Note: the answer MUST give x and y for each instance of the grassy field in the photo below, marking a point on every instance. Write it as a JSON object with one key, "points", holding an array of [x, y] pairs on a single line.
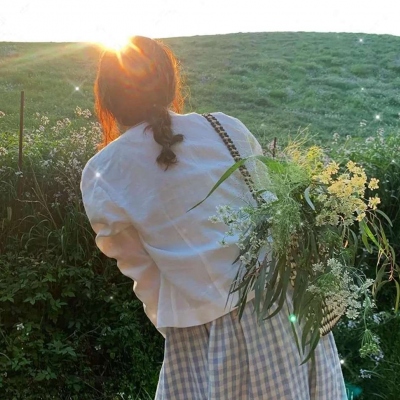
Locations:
{"points": [[275, 82]]}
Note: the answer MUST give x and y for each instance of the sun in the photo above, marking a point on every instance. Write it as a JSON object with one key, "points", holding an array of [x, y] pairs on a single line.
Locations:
{"points": [[114, 41]]}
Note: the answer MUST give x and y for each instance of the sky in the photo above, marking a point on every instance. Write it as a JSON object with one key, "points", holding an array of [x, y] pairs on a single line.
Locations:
{"points": [[98, 20]]}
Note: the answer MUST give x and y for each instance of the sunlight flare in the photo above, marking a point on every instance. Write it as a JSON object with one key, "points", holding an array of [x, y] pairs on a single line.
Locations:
{"points": [[116, 41]]}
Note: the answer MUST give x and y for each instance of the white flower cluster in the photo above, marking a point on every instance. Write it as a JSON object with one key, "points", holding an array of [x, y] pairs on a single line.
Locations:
{"points": [[237, 220], [68, 145], [241, 224], [83, 113], [364, 374], [20, 326], [336, 285]]}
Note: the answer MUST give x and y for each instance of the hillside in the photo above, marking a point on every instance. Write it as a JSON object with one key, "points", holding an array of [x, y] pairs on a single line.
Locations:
{"points": [[275, 82]]}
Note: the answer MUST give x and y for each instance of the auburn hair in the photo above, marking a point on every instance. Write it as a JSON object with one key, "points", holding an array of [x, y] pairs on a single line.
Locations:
{"points": [[139, 84]]}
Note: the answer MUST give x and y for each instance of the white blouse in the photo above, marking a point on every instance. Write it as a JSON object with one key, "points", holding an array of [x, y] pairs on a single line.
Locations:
{"points": [[140, 214]]}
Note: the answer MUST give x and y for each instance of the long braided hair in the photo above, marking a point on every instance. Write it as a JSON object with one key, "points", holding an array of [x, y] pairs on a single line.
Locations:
{"points": [[140, 84]]}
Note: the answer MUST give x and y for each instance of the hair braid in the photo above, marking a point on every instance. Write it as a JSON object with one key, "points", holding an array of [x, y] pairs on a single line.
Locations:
{"points": [[161, 125]]}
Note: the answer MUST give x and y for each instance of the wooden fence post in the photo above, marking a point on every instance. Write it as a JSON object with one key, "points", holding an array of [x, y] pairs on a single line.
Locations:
{"points": [[20, 149]]}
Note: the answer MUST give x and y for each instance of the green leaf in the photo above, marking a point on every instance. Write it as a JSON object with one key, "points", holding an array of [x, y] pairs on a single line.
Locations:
{"points": [[307, 197], [384, 216], [396, 307], [223, 178], [259, 287], [380, 285], [365, 229], [276, 166], [366, 243], [313, 344]]}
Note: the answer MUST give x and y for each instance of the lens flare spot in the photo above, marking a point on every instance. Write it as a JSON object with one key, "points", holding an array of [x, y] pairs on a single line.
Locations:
{"points": [[292, 318]]}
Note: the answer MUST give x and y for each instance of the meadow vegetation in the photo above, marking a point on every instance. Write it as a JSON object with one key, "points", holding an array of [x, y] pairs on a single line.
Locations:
{"points": [[70, 326]]}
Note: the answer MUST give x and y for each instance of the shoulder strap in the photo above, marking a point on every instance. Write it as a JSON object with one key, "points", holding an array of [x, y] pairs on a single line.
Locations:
{"points": [[234, 152]]}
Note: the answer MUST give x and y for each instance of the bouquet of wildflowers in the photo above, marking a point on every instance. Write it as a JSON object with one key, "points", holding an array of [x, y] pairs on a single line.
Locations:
{"points": [[302, 238]]}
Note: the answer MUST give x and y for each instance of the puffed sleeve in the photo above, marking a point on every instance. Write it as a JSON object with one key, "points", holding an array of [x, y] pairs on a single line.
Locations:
{"points": [[251, 139], [117, 238]]}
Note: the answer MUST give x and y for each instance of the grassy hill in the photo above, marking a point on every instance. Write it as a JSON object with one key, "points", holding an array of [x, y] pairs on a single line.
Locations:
{"points": [[275, 82]]}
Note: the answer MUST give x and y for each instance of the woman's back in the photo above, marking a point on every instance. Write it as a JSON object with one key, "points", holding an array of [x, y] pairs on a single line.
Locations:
{"points": [[194, 272]]}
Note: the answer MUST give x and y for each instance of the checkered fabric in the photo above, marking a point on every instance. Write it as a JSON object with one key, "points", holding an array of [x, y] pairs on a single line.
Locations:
{"points": [[228, 359]]}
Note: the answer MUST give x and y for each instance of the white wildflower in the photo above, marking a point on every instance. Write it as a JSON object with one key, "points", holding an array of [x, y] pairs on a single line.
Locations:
{"points": [[318, 267], [313, 289], [351, 324], [223, 243], [378, 357], [376, 318], [364, 374], [352, 314], [214, 219], [20, 327], [367, 284]]}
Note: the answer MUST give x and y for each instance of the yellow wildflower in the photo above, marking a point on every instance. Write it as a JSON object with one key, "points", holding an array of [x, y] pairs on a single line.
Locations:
{"points": [[373, 202], [323, 177], [373, 184], [355, 169], [314, 153], [361, 216], [340, 188], [358, 204], [358, 183], [332, 168], [295, 155], [351, 165]]}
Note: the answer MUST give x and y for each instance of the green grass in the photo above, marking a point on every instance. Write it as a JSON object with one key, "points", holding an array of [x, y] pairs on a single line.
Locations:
{"points": [[275, 82]]}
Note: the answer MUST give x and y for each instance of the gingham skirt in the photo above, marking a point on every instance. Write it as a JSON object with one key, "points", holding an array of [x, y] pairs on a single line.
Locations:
{"points": [[228, 359]]}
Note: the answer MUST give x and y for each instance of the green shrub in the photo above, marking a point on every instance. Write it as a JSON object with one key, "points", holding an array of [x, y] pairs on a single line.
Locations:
{"points": [[376, 377], [373, 377], [379, 155], [72, 329], [70, 325]]}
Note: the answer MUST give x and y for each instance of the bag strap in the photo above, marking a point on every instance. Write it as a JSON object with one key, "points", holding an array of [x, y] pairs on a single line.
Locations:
{"points": [[234, 152]]}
